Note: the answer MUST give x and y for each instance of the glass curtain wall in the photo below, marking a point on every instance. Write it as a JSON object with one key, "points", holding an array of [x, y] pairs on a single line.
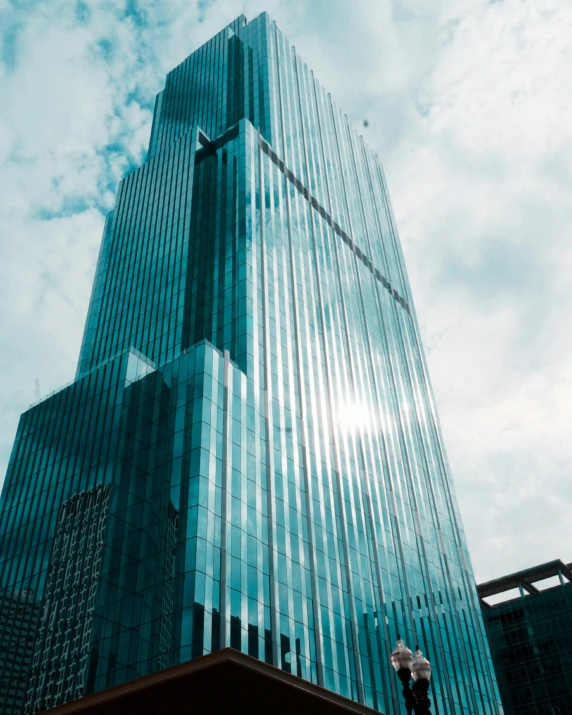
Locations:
{"points": [[250, 448]]}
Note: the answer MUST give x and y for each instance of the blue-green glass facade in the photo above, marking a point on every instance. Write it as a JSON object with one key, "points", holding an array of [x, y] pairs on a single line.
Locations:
{"points": [[249, 455]]}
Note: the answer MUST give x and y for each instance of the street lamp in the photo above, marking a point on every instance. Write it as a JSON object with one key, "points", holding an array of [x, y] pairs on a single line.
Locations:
{"points": [[409, 665]]}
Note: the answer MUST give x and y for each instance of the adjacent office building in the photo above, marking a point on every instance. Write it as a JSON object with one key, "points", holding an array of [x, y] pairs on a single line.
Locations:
{"points": [[249, 456], [530, 632]]}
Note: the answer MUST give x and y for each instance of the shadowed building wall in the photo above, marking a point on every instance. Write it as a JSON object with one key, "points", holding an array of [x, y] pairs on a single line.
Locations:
{"points": [[529, 636]]}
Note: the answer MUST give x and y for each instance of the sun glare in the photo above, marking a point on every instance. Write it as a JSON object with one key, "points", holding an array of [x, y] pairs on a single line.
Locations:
{"points": [[354, 416]]}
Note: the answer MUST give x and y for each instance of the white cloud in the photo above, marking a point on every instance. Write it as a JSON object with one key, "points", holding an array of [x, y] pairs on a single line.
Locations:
{"points": [[468, 105], [485, 226]]}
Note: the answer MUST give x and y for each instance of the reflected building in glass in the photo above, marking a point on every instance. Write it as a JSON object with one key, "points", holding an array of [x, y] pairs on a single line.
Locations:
{"points": [[19, 614], [249, 455]]}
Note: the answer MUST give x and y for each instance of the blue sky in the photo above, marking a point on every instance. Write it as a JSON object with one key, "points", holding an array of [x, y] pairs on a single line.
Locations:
{"points": [[469, 107]]}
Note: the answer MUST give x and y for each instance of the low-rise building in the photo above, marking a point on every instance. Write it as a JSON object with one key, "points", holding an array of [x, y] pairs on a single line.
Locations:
{"points": [[530, 636]]}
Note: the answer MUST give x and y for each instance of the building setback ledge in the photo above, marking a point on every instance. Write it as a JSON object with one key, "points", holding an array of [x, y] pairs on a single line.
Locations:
{"points": [[223, 682]]}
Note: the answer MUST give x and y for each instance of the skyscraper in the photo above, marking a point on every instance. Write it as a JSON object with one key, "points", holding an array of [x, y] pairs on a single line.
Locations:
{"points": [[253, 396]]}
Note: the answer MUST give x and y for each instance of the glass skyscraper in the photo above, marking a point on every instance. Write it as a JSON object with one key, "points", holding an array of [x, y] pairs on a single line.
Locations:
{"points": [[249, 455]]}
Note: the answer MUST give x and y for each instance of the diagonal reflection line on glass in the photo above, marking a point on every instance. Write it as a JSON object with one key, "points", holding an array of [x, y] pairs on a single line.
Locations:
{"points": [[333, 224]]}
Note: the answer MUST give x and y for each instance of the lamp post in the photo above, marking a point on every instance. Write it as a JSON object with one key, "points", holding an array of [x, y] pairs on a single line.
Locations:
{"points": [[409, 665]]}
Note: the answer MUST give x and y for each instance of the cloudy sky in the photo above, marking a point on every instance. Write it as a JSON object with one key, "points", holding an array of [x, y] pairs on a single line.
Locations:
{"points": [[469, 105]]}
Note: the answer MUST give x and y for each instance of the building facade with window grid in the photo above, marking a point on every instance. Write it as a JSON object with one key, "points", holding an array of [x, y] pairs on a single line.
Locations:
{"points": [[252, 363], [529, 636]]}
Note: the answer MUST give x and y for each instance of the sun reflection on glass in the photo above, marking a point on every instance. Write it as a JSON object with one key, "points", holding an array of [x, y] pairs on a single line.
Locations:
{"points": [[355, 416]]}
